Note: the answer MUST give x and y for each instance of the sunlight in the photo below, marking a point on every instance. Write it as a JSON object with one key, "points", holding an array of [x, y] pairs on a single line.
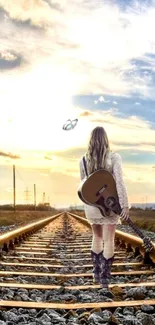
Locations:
{"points": [[87, 60], [47, 106]]}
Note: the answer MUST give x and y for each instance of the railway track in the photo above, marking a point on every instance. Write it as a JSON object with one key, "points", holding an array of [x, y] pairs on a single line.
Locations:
{"points": [[46, 277]]}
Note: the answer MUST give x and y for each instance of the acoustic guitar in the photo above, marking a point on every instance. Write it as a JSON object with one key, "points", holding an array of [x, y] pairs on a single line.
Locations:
{"points": [[99, 190]]}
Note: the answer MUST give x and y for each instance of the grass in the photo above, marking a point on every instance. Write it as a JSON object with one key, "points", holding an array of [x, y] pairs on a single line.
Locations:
{"points": [[8, 218], [144, 219]]}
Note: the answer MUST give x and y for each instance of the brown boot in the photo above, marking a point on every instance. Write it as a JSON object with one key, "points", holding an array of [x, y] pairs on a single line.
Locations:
{"points": [[105, 275], [96, 259]]}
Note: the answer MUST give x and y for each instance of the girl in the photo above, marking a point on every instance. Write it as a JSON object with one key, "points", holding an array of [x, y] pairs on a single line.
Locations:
{"points": [[99, 156]]}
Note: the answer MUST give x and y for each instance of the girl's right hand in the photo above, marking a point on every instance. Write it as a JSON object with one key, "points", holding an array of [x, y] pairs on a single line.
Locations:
{"points": [[125, 213]]}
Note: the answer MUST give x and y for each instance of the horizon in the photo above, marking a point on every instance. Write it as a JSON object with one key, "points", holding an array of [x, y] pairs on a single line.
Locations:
{"points": [[85, 60], [77, 206]]}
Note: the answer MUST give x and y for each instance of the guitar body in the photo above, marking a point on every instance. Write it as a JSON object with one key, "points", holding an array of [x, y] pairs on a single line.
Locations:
{"points": [[99, 190]]}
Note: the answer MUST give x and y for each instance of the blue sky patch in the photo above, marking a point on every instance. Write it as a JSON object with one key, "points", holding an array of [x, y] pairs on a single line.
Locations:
{"points": [[126, 106], [137, 157]]}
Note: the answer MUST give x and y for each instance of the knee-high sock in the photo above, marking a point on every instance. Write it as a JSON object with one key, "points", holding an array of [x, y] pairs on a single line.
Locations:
{"points": [[108, 238], [97, 244]]}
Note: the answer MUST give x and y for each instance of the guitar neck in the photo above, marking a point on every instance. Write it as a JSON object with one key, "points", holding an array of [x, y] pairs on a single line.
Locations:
{"points": [[129, 221], [135, 228]]}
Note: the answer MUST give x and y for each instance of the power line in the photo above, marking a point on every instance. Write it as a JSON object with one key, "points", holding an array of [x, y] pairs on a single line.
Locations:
{"points": [[27, 192], [20, 176]]}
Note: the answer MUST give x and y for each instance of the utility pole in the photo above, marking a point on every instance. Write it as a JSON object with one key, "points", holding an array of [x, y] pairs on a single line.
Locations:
{"points": [[14, 188], [43, 197], [43, 200], [34, 196]]}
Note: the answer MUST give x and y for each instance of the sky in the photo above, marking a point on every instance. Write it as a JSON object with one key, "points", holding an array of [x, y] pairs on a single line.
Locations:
{"points": [[84, 59]]}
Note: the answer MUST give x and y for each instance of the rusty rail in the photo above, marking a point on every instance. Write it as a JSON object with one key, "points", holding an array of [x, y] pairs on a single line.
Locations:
{"points": [[127, 241], [61, 239], [7, 240]]}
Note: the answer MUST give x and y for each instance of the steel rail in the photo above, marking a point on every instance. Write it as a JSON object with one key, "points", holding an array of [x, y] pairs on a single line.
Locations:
{"points": [[61, 278], [7, 240], [127, 241], [71, 306]]}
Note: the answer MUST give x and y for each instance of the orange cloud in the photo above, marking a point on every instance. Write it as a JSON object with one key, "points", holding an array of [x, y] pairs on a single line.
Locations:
{"points": [[9, 154], [31, 12], [86, 113]]}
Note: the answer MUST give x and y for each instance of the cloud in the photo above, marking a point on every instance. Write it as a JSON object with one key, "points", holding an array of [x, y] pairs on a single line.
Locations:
{"points": [[47, 158], [107, 113], [134, 131], [10, 155], [94, 66], [43, 174], [3, 14], [70, 154], [27, 24], [130, 144], [10, 60], [101, 100], [53, 5], [86, 113], [70, 52], [33, 13]]}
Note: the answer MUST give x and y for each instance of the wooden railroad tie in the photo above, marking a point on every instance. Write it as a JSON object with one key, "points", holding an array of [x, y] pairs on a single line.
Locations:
{"points": [[71, 306], [68, 276]]}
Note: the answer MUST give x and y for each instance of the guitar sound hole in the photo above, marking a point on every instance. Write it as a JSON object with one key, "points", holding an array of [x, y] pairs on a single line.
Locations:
{"points": [[110, 202]]}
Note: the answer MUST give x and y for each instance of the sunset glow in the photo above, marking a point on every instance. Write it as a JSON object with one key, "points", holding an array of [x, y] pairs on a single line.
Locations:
{"points": [[93, 61]]}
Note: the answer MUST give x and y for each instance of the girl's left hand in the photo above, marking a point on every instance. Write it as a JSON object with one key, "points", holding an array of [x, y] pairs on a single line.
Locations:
{"points": [[125, 213]]}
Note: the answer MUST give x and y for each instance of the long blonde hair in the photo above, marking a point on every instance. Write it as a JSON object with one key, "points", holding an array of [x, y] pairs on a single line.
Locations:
{"points": [[98, 149]]}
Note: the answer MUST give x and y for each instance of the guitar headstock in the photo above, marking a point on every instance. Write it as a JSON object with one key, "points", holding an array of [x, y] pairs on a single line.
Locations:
{"points": [[148, 246]]}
